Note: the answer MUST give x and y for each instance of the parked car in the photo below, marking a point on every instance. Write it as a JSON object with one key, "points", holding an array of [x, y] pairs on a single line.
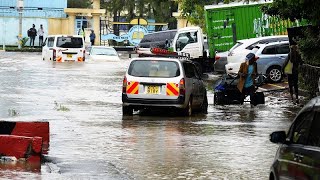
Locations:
{"points": [[63, 48], [157, 39], [270, 59], [240, 49], [155, 82], [238, 54], [298, 156], [102, 53]]}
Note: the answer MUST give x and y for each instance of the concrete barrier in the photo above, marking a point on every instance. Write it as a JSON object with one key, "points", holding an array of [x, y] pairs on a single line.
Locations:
{"points": [[21, 147], [28, 129]]}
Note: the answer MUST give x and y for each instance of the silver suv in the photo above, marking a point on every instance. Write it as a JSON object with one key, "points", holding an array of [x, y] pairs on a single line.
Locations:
{"points": [[155, 82]]}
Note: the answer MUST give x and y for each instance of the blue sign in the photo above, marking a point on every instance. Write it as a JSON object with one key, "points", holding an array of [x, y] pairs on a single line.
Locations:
{"points": [[134, 36]]}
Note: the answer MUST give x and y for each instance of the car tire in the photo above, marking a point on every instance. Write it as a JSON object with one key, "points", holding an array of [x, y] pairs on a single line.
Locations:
{"points": [[187, 111], [127, 111], [204, 106], [274, 74]]}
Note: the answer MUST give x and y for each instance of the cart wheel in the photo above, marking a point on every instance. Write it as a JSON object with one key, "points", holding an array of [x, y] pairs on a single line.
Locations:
{"points": [[260, 98]]}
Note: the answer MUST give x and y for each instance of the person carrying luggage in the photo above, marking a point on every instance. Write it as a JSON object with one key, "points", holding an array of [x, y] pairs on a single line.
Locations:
{"points": [[247, 74]]}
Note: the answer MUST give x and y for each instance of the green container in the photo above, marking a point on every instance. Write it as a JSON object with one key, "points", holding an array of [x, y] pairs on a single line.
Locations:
{"points": [[228, 23]]}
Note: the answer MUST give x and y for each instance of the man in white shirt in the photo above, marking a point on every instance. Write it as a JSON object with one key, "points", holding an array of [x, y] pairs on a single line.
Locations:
{"points": [[40, 33]]}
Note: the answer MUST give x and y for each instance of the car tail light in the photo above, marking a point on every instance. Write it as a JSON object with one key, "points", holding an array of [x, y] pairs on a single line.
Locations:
{"points": [[124, 84], [182, 87], [54, 55], [217, 58]]}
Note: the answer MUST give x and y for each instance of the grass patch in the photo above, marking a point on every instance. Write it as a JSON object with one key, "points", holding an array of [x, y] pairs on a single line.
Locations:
{"points": [[24, 49], [60, 107], [13, 112]]}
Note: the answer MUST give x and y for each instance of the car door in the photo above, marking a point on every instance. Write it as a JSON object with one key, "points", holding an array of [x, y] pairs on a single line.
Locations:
{"points": [[289, 154], [49, 52], [308, 166], [266, 54], [44, 49], [282, 53], [191, 82]]}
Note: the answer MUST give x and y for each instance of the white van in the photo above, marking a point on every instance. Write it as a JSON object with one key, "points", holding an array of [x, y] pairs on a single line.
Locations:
{"points": [[63, 48]]}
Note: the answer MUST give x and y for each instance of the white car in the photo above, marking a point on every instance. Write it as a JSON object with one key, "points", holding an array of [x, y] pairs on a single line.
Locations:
{"points": [[270, 59], [62, 48], [159, 82], [239, 51], [102, 53]]}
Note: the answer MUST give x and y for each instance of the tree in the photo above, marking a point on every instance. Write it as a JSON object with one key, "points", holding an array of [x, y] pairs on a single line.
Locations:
{"points": [[193, 10], [309, 41], [295, 9], [79, 4]]}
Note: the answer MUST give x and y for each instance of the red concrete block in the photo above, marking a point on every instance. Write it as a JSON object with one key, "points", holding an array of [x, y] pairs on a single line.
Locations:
{"points": [[29, 129], [21, 147]]}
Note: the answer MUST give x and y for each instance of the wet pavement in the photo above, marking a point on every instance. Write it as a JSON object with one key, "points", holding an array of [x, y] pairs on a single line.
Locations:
{"points": [[89, 138]]}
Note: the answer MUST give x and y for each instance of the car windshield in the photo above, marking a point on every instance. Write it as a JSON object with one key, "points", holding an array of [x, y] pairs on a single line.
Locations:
{"points": [[103, 51], [70, 42], [154, 68]]}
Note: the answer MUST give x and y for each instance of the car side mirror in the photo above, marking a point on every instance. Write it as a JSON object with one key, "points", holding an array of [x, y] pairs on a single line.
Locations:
{"points": [[278, 137], [43, 44]]}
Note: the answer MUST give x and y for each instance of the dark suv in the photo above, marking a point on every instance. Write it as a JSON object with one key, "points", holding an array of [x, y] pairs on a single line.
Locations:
{"points": [[298, 156], [157, 39]]}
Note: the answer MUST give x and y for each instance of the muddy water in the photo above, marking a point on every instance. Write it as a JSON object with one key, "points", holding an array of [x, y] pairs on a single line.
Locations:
{"points": [[91, 140]]}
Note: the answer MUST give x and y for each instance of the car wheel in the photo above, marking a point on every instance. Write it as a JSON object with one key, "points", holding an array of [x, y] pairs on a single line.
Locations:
{"points": [[274, 74], [187, 111], [204, 106], [127, 111]]}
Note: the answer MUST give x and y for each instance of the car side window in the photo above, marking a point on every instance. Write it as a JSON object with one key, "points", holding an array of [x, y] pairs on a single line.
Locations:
{"points": [[301, 128], [283, 49], [190, 73], [50, 41], [269, 50], [314, 135]]}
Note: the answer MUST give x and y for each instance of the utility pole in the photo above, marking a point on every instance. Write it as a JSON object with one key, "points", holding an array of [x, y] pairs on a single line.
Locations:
{"points": [[20, 9]]}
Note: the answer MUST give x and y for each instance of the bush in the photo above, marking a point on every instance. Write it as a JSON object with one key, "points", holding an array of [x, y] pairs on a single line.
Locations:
{"points": [[309, 47], [23, 49]]}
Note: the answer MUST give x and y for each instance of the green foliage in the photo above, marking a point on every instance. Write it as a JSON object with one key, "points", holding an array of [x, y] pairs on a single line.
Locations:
{"points": [[13, 112], [23, 49], [309, 47], [23, 41], [60, 107], [193, 10], [161, 11], [79, 4], [295, 9]]}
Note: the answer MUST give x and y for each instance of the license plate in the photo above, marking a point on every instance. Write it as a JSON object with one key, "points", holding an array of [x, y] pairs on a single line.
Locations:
{"points": [[153, 90], [69, 55]]}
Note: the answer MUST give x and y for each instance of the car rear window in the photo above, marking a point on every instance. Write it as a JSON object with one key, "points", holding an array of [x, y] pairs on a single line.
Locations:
{"points": [[154, 68], [69, 42], [103, 51]]}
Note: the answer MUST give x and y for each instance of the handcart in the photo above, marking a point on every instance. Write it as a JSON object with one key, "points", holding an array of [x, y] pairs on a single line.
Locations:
{"points": [[227, 93]]}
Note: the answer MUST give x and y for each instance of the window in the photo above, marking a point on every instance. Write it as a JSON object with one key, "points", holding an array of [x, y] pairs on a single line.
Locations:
{"points": [[69, 42], [314, 135], [189, 70], [269, 50], [186, 38], [301, 128], [283, 49], [50, 41], [153, 68]]}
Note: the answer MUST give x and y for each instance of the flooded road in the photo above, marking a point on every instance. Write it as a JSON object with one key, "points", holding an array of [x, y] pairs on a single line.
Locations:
{"points": [[89, 138]]}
